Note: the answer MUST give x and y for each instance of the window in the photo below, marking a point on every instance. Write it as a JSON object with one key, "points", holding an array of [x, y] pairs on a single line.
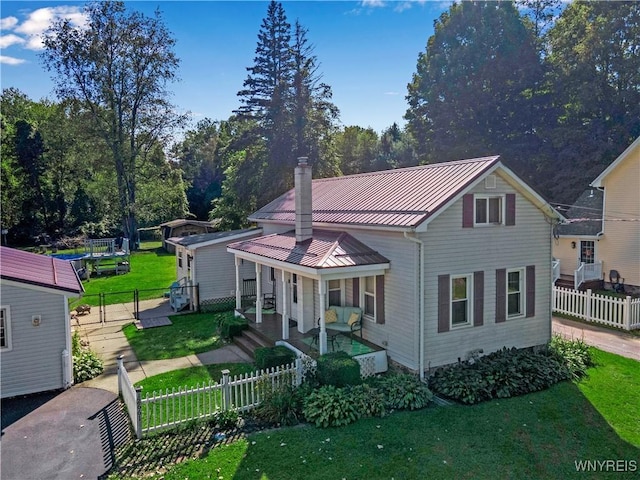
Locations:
{"points": [[294, 288], [180, 259], [334, 291], [515, 293], [460, 300], [5, 328], [488, 210], [272, 274], [368, 302], [587, 251]]}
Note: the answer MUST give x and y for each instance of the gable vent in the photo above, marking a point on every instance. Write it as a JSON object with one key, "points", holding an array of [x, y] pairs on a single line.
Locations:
{"points": [[490, 182]]}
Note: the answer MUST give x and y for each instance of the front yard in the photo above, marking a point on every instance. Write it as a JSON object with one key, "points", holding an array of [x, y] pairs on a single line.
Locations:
{"points": [[539, 435]]}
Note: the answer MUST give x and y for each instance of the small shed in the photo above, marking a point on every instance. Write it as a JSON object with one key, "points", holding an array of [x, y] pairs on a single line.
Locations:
{"points": [[183, 228], [35, 330]]}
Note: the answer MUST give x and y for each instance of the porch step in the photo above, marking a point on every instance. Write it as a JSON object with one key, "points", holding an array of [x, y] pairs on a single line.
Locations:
{"points": [[250, 340], [565, 282]]}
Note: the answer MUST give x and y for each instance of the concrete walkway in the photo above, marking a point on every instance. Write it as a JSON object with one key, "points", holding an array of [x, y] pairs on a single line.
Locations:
{"points": [[108, 341], [620, 343]]}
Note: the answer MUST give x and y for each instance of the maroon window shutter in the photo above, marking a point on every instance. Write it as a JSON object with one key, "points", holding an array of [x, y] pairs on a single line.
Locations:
{"points": [[380, 299], [478, 299], [510, 209], [531, 290], [467, 211], [501, 295], [443, 303], [355, 301]]}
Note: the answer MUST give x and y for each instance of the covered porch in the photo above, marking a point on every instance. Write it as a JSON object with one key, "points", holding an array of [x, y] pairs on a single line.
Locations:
{"points": [[306, 278], [270, 329]]}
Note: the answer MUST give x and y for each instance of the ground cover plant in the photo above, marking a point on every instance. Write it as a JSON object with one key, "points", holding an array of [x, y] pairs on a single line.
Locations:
{"points": [[86, 363], [187, 335], [153, 270], [538, 435]]}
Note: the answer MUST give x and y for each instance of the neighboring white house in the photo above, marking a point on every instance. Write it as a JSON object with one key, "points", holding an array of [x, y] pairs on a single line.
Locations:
{"points": [[35, 331], [603, 229], [203, 260], [444, 259]]}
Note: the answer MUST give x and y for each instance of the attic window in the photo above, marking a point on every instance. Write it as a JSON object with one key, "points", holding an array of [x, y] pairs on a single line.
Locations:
{"points": [[488, 210]]}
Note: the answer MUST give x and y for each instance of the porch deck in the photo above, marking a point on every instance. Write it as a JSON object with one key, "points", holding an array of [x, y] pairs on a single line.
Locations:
{"points": [[271, 328]]}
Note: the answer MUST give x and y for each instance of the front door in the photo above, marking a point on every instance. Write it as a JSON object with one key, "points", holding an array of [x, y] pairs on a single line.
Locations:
{"points": [[587, 252]]}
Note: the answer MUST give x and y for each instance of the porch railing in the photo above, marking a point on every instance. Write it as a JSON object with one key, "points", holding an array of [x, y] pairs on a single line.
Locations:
{"points": [[586, 272], [556, 270], [613, 311]]}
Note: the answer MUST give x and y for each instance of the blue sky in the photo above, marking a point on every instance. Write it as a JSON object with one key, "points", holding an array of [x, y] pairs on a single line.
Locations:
{"points": [[367, 50]]}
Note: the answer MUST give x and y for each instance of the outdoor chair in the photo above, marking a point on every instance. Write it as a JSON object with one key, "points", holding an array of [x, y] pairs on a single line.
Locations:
{"points": [[616, 282]]}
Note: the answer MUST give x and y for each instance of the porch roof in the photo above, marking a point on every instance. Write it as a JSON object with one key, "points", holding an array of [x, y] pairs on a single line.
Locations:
{"points": [[327, 249]]}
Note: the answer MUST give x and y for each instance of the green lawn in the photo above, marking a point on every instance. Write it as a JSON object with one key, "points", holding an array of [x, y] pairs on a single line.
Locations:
{"points": [[152, 271], [540, 435], [613, 388], [191, 377], [187, 335]]}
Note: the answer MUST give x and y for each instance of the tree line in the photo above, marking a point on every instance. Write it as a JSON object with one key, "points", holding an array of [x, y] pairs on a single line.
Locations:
{"points": [[553, 88]]}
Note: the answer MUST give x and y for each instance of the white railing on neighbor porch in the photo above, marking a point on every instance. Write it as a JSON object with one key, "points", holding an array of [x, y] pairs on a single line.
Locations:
{"points": [[556, 270], [157, 411], [586, 272], [613, 311]]}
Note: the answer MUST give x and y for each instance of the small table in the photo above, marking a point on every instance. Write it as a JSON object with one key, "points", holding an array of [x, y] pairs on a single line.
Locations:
{"points": [[331, 336]]}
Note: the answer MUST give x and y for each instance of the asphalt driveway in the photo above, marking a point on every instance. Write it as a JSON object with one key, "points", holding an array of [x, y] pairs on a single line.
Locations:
{"points": [[71, 436]]}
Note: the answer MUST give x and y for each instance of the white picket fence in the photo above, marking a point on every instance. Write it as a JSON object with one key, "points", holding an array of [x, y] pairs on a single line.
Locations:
{"points": [[613, 311], [155, 411]]}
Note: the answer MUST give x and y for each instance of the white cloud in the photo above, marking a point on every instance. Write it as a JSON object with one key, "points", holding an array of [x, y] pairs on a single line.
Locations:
{"points": [[392, 93], [11, 39], [11, 60], [373, 3], [8, 23], [40, 20]]}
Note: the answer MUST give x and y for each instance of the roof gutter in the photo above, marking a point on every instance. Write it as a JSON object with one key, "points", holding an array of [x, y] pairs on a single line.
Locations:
{"points": [[421, 303]]}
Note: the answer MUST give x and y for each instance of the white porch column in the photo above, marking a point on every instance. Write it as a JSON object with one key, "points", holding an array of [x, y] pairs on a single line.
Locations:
{"points": [[285, 307], [238, 292], [322, 340], [258, 293]]}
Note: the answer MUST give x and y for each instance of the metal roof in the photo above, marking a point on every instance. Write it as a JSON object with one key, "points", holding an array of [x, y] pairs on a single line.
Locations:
{"points": [[327, 249], [403, 197], [182, 221], [40, 270], [209, 238]]}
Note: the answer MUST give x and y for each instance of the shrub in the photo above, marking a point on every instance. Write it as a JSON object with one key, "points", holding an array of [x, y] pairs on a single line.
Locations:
{"points": [[405, 392], [370, 401], [232, 326], [338, 369], [86, 364], [330, 407], [225, 419], [279, 405], [502, 374], [268, 357], [574, 354]]}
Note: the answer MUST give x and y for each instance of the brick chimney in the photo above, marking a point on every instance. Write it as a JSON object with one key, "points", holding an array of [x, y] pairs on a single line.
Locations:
{"points": [[304, 230]]}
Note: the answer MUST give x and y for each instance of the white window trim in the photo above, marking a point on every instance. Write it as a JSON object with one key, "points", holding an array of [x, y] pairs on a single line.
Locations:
{"points": [[469, 322], [487, 196], [363, 283], [7, 329], [523, 293]]}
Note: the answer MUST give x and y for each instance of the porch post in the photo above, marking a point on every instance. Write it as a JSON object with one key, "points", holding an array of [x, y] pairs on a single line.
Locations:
{"points": [[322, 340], [258, 293], [238, 293], [285, 308]]}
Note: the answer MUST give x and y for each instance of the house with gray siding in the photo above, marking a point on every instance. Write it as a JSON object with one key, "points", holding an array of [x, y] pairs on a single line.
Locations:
{"points": [[444, 260], [203, 260], [35, 331]]}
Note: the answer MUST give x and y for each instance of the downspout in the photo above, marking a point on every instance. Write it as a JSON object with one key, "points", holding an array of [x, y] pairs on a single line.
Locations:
{"points": [[421, 304]]}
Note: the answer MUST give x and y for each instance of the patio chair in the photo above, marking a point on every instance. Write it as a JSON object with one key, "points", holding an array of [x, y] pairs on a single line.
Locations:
{"points": [[616, 282]]}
